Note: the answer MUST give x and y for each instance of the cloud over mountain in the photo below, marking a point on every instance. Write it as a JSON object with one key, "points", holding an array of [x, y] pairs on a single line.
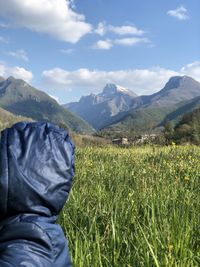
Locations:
{"points": [[192, 69], [17, 72], [141, 81]]}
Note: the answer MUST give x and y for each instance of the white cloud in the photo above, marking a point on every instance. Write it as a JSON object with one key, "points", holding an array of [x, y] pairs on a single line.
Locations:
{"points": [[53, 17], [192, 70], [131, 41], [180, 13], [133, 36], [72, 4], [141, 81], [20, 54], [103, 44], [103, 28], [57, 76], [126, 30], [17, 72], [108, 43]]}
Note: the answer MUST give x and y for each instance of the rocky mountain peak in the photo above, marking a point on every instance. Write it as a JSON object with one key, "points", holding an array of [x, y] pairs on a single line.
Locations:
{"points": [[111, 89], [11, 79], [178, 81]]}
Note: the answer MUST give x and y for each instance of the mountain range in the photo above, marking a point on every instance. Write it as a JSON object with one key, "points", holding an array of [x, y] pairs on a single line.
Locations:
{"points": [[20, 98], [114, 109], [119, 108]]}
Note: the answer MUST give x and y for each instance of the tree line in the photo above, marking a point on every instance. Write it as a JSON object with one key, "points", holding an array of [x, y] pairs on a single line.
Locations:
{"points": [[187, 130]]}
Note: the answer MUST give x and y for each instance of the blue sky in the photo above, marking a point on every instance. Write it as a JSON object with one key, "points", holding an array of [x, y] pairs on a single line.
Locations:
{"points": [[73, 48]]}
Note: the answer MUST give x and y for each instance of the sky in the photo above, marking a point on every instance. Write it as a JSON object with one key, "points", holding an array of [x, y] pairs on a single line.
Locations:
{"points": [[74, 48]]}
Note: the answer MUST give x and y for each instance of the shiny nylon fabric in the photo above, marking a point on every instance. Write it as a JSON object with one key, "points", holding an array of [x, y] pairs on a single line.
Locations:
{"points": [[36, 172]]}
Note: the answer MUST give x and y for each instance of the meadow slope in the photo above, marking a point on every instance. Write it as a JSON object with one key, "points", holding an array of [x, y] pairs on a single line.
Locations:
{"points": [[134, 207]]}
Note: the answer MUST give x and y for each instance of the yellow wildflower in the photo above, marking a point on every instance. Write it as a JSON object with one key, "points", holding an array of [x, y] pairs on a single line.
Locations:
{"points": [[187, 178]]}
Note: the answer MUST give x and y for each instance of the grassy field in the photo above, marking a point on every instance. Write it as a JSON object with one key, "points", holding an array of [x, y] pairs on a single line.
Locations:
{"points": [[135, 207]]}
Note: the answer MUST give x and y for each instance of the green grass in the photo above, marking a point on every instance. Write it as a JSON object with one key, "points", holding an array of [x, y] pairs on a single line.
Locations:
{"points": [[134, 207]]}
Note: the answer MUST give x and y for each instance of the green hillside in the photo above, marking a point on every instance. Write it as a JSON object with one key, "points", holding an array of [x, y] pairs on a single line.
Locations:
{"points": [[7, 119], [140, 120], [182, 109], [22, 99]]}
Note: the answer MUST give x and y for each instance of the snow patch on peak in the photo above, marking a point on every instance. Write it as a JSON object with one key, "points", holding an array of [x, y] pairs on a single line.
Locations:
{"points": [[112, 88], [121, 89]]}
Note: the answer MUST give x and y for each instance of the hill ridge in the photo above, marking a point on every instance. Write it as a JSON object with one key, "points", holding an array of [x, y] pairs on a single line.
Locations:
{"points": [[20, 98]]}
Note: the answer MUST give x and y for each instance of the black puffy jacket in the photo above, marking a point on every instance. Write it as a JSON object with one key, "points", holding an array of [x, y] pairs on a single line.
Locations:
{"points": [[36, 171]]}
